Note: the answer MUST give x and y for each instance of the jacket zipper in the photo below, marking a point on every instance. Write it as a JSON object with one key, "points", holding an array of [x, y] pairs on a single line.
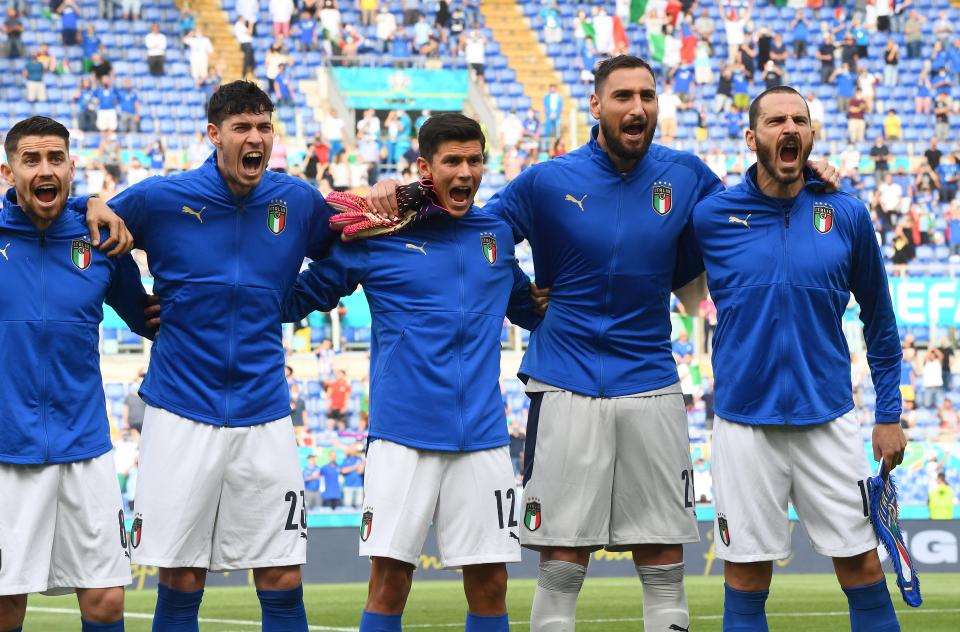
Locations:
{"points": [[783, 311], [233, 312], [601, 330], [459, 349], [43, 349]]}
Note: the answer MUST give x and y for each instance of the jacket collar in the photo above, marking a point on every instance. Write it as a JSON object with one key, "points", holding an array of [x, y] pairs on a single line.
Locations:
{"points": [[811, 184], [14, 217], [602, 157]]}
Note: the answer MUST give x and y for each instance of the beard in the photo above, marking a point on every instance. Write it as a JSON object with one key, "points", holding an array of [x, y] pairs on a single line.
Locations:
{"points": [[612, 137], [767, 157]]}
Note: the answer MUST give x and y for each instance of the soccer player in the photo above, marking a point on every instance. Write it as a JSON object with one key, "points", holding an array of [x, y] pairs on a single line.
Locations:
{"points": [[782, 258], [220, 487], [61, 515], [607, 461], [438, 450]]}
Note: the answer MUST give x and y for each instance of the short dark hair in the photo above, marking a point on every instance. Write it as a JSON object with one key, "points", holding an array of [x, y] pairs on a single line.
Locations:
{"points": [[607, 66], [34, 126], [237, 97], [755, 106], [444, 127]]}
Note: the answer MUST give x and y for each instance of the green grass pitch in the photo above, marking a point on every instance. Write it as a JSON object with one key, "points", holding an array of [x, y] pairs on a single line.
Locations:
{"points": [[798, 603]]}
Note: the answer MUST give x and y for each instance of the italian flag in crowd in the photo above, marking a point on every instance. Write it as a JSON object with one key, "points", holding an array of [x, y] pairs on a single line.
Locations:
{"points": [[637, 9]]}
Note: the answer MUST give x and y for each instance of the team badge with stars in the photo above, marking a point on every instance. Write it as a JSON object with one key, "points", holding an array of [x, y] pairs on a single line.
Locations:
{"points": [[822, 217], [531, 516], [366, 523], [80, 254], [136, 530], [488, 244], [662, 197], [723, 528], [277, 216]]}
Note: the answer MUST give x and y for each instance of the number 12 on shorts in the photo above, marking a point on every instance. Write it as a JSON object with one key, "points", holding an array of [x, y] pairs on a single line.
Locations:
{"points": [[511, 495]]}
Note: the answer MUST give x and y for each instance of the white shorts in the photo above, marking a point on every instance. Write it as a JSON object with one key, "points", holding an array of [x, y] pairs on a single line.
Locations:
{"points": [[607, 471], [469, 497], [61, 527], [218, 498], [821, 469]]}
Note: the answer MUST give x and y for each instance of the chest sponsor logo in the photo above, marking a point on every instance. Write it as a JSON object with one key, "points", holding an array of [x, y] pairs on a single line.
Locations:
{"points": [[822, 217], [740, 220], [662, 197], [570, 198], [488, 244], [3, 251], [80, 254], [277, 216], [197, 214]]}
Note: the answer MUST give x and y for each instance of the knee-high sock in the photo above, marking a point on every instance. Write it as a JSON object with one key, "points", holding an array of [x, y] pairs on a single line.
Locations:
{"points": [[373, 622], [480, 623], [90, 626], [744, 611], [282, 610], [177, 611], [555, 601], [871, 609], [664, 599]]}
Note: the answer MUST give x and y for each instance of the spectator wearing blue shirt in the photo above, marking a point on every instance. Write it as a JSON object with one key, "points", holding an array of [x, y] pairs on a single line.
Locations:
{"points": [[683, 348], [69, 22], [552, 110], [949, 173], [352, 468], [683, 83], [741, 91], [86, 105], [801, 34], [420, 121], [845, 83], [531, 125], [311, 483], [332, 495], [283, 86], [954, 54], [938, 58], [942, 83], [33, 73], [90, 44], [306, 32], [129, 108], [400, 46], [861, 39], [107, 100]]}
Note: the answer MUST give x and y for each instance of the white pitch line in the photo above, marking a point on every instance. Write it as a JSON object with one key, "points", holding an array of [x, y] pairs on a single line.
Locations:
{"points": [[148, 616], [325, 628]]}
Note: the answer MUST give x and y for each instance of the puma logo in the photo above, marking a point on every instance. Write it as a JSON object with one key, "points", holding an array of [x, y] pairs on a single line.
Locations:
{"points": [[674, 626], [421, 247], [737, 220], [514, 536], [3, 251], [190, 211], [570, 198]]}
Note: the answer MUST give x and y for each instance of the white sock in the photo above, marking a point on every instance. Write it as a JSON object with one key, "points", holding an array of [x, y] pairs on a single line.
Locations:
{"points": [[555, 601], [664, 600]]}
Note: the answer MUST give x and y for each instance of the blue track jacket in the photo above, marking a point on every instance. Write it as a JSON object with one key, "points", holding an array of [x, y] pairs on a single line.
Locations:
{"points": [[438, 293], [609, 246], [222, 265], [53, 285], [781, 279]]}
